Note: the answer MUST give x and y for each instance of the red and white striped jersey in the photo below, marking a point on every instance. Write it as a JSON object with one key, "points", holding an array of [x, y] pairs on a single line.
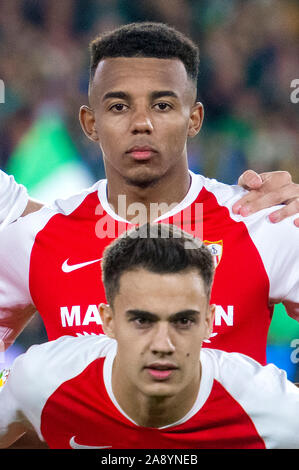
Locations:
{"points": [[64, 389], [50, 262]]}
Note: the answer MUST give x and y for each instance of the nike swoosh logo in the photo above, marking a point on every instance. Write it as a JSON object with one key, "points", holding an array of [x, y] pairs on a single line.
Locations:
{"points": [[211, 336], [68, 268], [75, 445]]}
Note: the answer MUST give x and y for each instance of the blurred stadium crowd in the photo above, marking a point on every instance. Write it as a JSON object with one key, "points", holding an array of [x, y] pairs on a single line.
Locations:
{"points": [[249, 57]]}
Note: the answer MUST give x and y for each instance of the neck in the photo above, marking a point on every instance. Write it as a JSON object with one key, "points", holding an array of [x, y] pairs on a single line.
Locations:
{"points": [[140, 204], [154, 411]]}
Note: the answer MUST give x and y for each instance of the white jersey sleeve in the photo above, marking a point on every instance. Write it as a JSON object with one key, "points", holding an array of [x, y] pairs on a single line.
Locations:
{"points": [[264, 392], [278, 245], [36, 374], [13, 199]]}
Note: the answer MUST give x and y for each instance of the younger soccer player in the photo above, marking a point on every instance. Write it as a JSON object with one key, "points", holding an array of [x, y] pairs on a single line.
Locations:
{"points": [[148, 383]]}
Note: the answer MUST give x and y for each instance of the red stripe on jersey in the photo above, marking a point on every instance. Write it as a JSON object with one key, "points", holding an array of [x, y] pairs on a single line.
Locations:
{"points": [[68, 301], [241, 284], [81, 409]]}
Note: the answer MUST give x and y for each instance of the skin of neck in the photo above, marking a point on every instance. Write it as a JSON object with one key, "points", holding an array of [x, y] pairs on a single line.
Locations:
{"points": [[169, 190], [153, 411]]}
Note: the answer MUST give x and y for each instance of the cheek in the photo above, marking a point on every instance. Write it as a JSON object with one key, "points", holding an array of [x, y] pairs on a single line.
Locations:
{"points": [[107, 140], [129, 344], [177, 137], [192, 350], [108, 132]]}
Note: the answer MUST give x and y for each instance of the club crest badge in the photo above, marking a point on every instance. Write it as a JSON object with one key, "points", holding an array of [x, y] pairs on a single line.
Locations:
{"points": [[216, 250]]}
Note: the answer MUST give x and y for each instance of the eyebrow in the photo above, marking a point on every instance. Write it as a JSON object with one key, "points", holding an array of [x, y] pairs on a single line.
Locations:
{"points": [[154, 95], [116, 94], [154, 317], [160, 94], [184, 313]]}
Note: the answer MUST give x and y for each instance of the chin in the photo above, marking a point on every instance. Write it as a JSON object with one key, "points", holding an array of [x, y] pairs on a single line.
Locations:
{"points": [[143, 177], [160, 390], [143, 182]]}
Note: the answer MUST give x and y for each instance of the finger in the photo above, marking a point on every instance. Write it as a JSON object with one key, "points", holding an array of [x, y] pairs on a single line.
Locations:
{"points": [[255, 201], [289, 209], [276, 178], [250, 180], [258, 199], [244, 201]]}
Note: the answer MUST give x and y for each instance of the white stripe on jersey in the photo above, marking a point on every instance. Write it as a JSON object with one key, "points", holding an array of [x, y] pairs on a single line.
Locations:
{"points": [[264, 393]]}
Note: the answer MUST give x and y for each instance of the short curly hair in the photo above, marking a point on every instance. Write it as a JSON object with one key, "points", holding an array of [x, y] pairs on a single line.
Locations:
{"points": [[145, 39]]}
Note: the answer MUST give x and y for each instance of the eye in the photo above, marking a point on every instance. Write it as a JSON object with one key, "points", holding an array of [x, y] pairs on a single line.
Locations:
{"points": [[163, 106], [141, 322], [118, 107], [184, 322]]}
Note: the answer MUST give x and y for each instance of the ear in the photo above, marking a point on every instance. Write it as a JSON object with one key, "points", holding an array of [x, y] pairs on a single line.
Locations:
{"points": [[196, 119], [209, 321], [87, 121], [107, 318]]}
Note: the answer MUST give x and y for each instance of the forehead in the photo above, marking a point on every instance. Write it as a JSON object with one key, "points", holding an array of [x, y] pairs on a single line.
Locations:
{"points": [[133, 74], [161, 293]]}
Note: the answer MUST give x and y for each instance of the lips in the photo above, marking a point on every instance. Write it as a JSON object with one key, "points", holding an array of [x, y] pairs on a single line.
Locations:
{"points": [[161, 371], [141, 152]]}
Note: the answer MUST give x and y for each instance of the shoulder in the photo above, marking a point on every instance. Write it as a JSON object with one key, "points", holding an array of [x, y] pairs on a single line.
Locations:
{"points": [[66, 206], [44, 367], [243, 372], [233, 368], [225, 194], [38, 373], [33, 222], [67, 354], [269, 238], [264, 392]]}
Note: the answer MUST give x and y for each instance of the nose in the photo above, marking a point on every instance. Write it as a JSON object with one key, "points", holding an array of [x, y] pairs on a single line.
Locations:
{"points": [[141, 122], [161, 342]]}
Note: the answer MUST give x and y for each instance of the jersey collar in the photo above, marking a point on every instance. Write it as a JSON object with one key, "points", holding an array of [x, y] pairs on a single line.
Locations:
{"points": [[195, 188]]}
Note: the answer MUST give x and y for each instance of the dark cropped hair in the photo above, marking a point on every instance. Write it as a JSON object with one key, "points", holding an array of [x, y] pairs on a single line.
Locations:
{"points": [[158, 248], [145, 39]]}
